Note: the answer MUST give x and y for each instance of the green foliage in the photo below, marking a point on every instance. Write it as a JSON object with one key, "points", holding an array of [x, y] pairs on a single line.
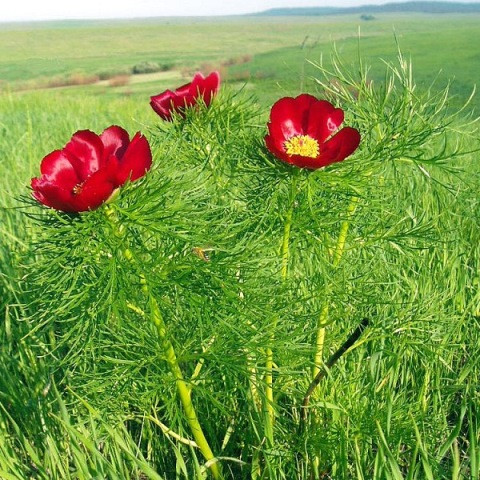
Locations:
{"points": [[150, 67], [31, 55], [204, 229]]}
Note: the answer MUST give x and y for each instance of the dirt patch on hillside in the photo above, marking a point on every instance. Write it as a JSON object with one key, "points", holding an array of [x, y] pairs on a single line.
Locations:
{"points": [[145, 78]]}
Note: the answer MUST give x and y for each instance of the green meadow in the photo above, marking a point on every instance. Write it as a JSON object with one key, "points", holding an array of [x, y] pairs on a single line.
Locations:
{"points": [[268, 51], [403, 404]]}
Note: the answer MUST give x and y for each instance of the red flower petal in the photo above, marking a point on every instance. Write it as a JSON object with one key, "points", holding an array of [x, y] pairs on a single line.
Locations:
{"points": [[303, 162], [275, 145], [190, 88], [340, 146], [136, 161], [283, 124], [86, 150], [210, 87], [97, 188], [179, 103], [165, 103], [324, 119], [162, 104], [52, 195], [193, 86], [304, 103], [115, 142], [289, 117], [57, 169]]}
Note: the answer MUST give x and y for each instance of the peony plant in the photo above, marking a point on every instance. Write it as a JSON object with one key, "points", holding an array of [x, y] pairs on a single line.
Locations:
{"points": [[196, 302]]}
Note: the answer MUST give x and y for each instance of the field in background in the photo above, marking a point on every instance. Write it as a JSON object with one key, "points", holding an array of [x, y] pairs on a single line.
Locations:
{"points": [[100, 58]]}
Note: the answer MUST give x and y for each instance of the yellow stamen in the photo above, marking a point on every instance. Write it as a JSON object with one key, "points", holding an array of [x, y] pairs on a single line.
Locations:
{"points": [[302, 145], [77, 188]]}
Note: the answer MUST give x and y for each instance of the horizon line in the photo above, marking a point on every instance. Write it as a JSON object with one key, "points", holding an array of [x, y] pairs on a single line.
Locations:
{"points": [[253, 13]]}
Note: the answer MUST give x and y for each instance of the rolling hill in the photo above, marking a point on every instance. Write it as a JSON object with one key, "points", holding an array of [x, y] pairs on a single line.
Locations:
{"points": [[406, 7]]}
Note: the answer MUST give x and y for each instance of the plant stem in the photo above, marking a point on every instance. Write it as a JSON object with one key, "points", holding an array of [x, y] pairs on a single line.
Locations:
{"points": [[337, 256], [285, 256], [183, 388], [331, 361]]}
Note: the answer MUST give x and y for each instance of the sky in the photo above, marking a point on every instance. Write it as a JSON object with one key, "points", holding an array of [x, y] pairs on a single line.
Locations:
{"points": [[19, 10]]}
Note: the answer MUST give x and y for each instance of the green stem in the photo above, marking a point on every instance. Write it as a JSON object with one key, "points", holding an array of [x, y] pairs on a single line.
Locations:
{"points": [[184, 390], [330, 362], [285, 252], [285, 256], [337, 256]]}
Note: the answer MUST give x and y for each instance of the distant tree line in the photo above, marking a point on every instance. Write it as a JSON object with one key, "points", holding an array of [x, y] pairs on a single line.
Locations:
{"points": [[415, 7]]}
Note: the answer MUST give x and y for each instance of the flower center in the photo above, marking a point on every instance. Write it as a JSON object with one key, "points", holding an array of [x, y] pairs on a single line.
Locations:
{"points": [[302, 145], [77, 189]]}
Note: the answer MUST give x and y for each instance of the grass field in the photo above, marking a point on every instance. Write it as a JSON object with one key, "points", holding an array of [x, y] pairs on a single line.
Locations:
{"points": [[85, 392], [439, 46]]}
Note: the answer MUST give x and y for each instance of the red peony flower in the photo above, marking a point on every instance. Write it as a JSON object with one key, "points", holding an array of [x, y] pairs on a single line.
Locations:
{"points": [[84, 174], [186, 96], [302, 132]]}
